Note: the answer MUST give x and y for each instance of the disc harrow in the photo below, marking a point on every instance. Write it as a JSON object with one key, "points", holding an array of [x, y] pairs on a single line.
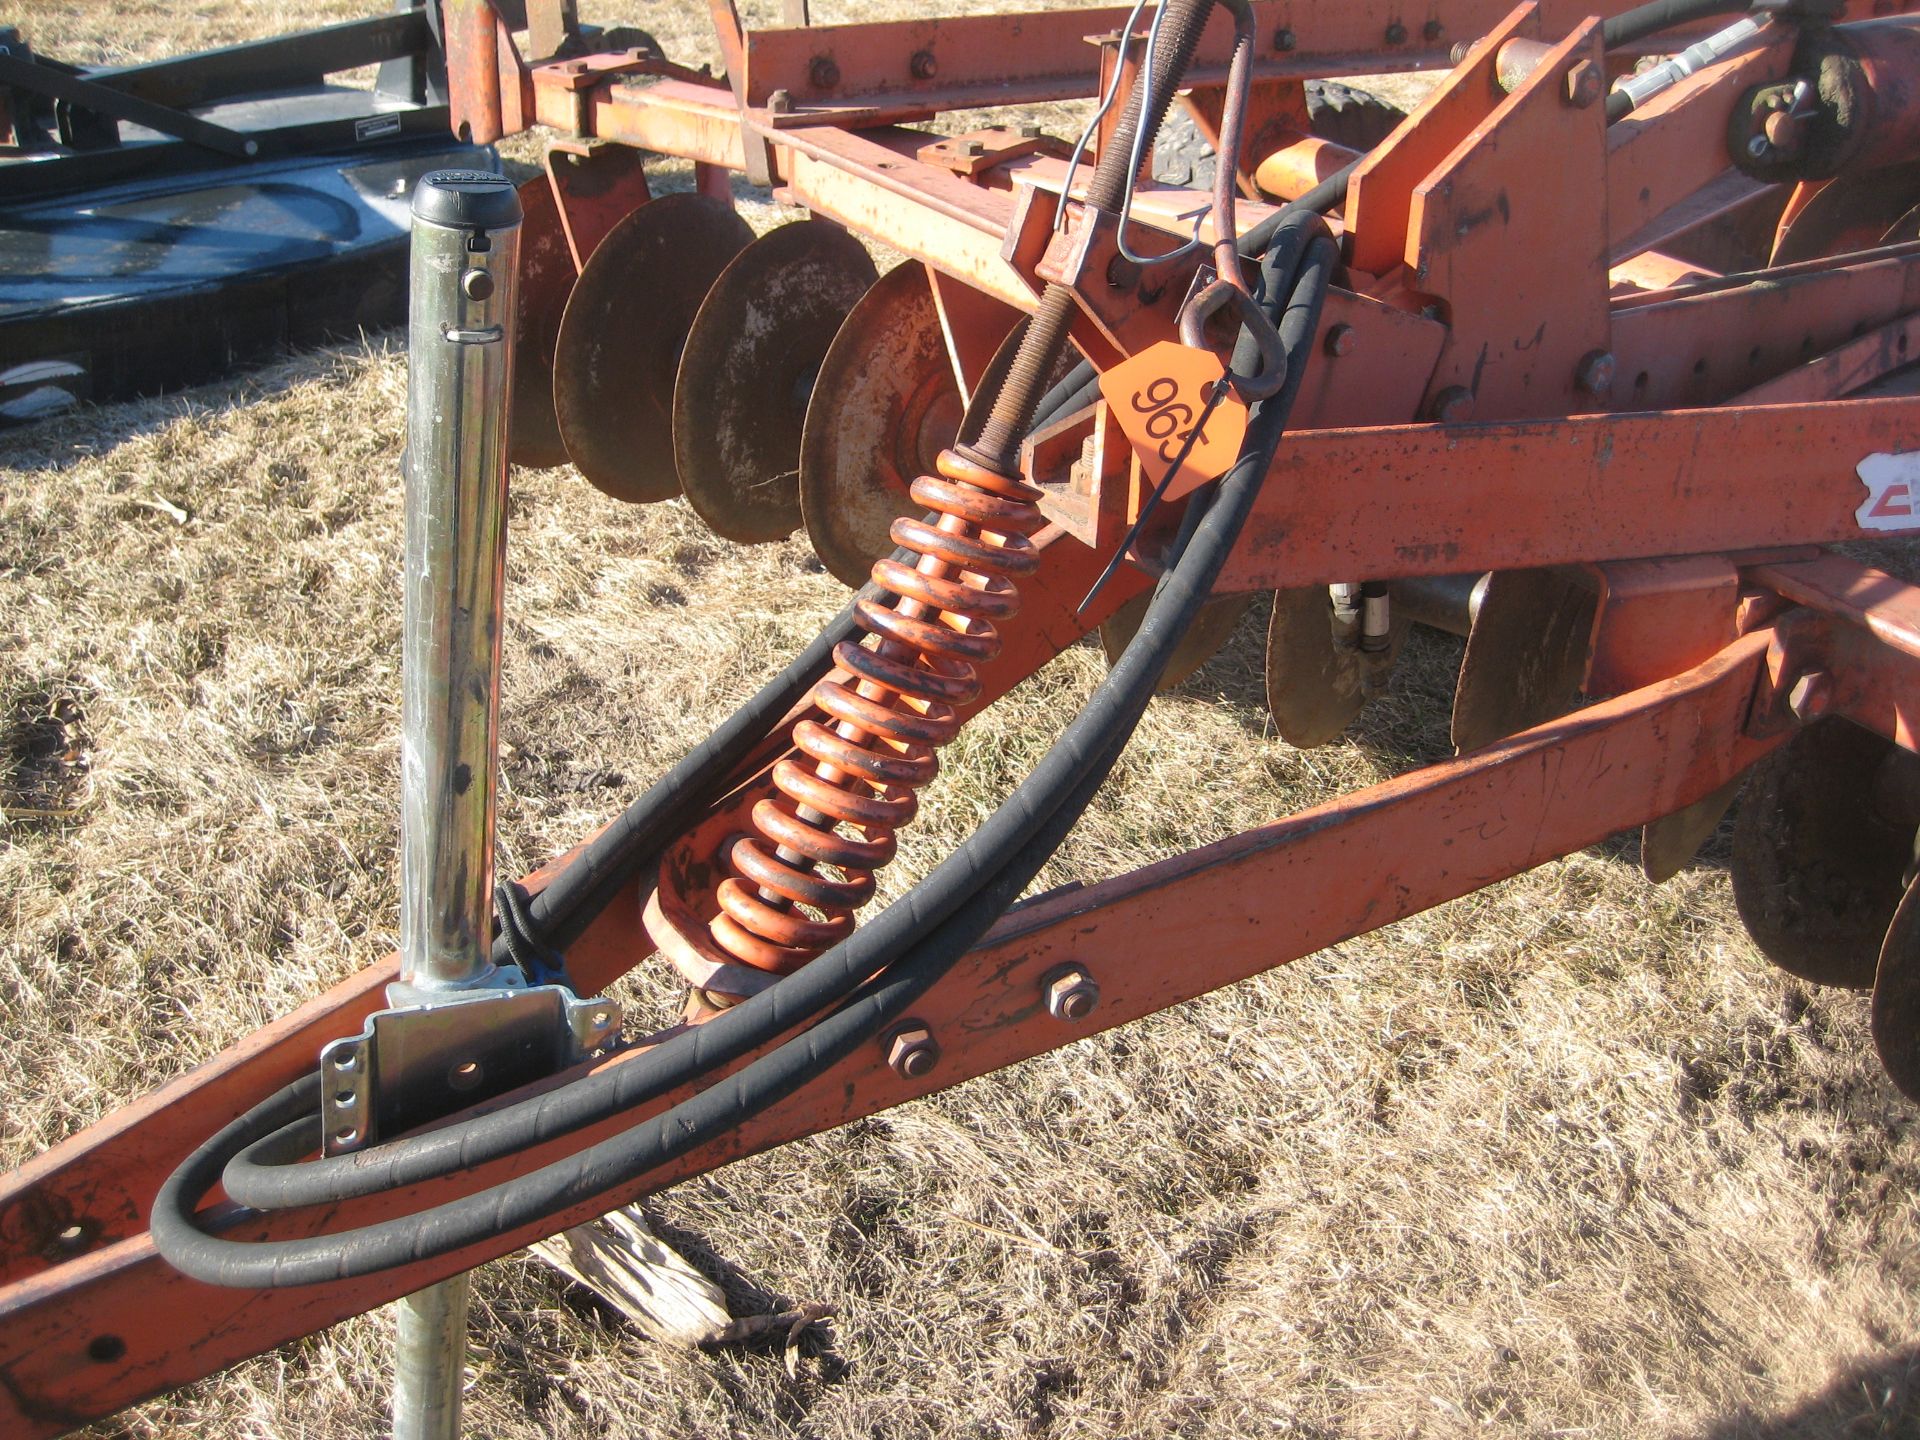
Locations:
{"points": [[1603, 357]]}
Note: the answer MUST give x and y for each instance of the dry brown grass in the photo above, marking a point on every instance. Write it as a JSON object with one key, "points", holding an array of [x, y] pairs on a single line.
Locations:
{"points": [[1564, 1158]]}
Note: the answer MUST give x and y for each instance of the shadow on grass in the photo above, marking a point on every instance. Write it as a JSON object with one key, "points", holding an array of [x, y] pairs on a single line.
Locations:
{"points": [[85, 433], [1871, 1399]]}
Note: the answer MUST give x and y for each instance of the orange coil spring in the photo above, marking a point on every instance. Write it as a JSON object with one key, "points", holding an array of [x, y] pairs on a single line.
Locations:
{"points": [[903, 705]]}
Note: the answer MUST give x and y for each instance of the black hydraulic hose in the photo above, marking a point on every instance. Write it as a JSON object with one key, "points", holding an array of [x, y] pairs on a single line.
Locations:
{"points": [[261, 1175], [1642, 21], [264, 1176], [1026, 828]]}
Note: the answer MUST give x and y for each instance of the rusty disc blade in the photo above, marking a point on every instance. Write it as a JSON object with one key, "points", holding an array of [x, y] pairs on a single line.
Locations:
{"points": [[1317, 679], [1896, 996], [884, 405], [546, 280], [1526, 655], [620, 340], [749, 367], [1212, 624], [1818, 863]]}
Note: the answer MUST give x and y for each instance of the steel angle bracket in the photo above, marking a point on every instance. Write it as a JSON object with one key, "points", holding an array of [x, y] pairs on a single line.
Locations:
{"points": [[434, 1053]]}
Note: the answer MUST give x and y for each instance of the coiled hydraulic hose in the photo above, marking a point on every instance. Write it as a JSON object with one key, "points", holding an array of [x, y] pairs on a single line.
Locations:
{"points": [[950, 910], [264, 1176]]}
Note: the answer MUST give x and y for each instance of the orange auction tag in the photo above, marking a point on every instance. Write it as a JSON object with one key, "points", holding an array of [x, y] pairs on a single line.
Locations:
{"points": [[1161, 397]]}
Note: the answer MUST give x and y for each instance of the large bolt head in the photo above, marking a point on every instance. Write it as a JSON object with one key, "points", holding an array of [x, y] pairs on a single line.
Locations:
{"points": [[1585, 85], [1811, 696], [1071, 995], [912, 1051], [823, 72]]}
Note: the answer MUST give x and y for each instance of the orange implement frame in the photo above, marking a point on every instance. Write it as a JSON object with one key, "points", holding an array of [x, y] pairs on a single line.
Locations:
{"points": [[69, 1354], [1504, 381]]}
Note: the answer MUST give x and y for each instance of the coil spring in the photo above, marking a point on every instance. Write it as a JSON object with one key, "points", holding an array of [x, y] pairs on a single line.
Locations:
{"points": [[867, 766]]}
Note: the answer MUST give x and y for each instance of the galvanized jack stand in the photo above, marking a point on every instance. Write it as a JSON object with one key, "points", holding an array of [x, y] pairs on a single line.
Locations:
{"points": [[460, 1028]]}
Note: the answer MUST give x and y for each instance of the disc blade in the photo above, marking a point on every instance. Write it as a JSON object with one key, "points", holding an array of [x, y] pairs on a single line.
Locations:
{"points": [[546, 280], [884, 405], [1526, 655], [1211, 626], [1896, 996], [1818, 864], [1316, 680], [750, 364], [621, 336]]}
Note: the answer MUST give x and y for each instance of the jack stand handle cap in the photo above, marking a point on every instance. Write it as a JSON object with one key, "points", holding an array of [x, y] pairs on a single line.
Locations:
{"points": [[467, 200]]}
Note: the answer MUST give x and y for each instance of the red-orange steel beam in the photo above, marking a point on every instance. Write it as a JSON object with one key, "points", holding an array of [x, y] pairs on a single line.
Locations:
{"points": [[1020, 58], [1395, 501], [110, 1328]]}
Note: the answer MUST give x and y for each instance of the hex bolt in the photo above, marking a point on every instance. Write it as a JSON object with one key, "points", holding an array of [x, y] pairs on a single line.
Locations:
{"points": [[1031, 132], [1396, 34], [923, 65], [477, 285], [1340, 340], [912, 1050], [823, 74], [1071, 994], [1811, 696], [1594, 374], [1284, 39], [1452, 405], [1585, 85], [973, 148], [780, 102], [1432, 31]]}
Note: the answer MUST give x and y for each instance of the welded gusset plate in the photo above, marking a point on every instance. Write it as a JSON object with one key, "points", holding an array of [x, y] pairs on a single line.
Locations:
{"points": [[1209, 631], [621, 336], [1896, 996], [1821, 848], [1526, 655], [1317, 677], [883, 407], [546, 280], [749, 369]]}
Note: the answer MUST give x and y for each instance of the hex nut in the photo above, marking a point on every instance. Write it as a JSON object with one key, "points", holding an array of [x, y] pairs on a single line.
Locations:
{"points": [[780, 102], [923, 65], [1071, 995], [1396, 34], [1340, 340], [912, 1050], [1585, 85], [1811, 696], [1284, 39]]}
